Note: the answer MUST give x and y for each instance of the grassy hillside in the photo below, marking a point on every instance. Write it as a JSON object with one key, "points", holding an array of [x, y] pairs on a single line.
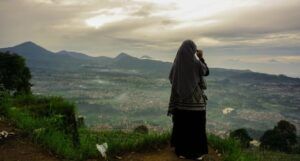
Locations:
{"points": [[51, 122]]}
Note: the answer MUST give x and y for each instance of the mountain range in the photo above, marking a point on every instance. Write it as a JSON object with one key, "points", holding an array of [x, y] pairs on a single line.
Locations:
{"points": [[38, 57]]}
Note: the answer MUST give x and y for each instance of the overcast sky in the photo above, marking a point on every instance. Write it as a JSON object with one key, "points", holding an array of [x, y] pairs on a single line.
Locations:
{"points": [[261, 35]]}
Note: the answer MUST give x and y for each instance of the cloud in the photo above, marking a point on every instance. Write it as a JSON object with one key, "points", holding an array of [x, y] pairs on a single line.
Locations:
{"points": [[273, 61], [154, 27], [269, 26]]}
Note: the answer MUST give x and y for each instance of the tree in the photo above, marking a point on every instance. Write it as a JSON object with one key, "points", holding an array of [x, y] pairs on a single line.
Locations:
{"points": [[14, 74], [242, 135], [282, 137]]}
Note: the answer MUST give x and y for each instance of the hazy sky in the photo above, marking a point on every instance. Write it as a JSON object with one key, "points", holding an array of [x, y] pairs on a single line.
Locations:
{"points": [[261, 35]]}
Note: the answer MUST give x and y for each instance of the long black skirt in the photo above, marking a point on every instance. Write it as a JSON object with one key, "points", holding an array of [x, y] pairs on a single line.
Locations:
{"points": [[189, 133]]}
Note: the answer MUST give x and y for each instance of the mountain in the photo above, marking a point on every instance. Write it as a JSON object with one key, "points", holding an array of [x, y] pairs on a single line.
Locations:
{"points": [[124, 57], [39, 57], [146, 66], [254, 77], [75, 54], [29, 50]]}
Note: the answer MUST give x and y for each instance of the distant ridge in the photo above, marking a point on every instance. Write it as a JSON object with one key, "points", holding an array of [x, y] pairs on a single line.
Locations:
{"points": [[29, 49], [75, 54], [123, 56], [38, 57]]}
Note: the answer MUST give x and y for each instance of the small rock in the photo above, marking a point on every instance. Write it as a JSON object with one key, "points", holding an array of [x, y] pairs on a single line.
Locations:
{"points": [[4, 134], [118, 157], [102, 149], [11, 133]]}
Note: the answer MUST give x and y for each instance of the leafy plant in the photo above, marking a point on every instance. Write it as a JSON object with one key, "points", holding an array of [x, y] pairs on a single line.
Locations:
{"points": [[282, 137], [242, 135], [14, 74]]}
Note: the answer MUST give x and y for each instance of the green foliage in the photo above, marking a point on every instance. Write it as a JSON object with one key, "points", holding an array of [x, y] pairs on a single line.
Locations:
{"points": [[60, 111], [44, 131], [45, 120], [42, 106], [267, 155], [242, 135], [4, 103], [54, 129], [283, 137], [14, 75], [120, 142], [231, 149]]}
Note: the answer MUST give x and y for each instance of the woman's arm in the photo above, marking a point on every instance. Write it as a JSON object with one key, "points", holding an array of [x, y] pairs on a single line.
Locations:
{"points": [[204, 65], [204, 71]]}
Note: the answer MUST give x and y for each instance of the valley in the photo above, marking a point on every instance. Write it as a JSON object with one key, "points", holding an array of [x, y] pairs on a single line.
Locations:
{"points": [[125, 91]]}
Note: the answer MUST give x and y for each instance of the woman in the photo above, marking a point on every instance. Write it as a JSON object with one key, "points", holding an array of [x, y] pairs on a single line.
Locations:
{"points": [[188, 102]]}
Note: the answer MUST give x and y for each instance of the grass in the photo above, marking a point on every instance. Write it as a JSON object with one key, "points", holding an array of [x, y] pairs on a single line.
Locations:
{"points": [[121, 142], [45, 120], [265, 155], [231, 149], [44, 131]]}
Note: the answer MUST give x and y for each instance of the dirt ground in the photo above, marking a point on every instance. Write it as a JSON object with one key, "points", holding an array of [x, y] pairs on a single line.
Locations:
{"points": [[18, 147], [166, 154]]}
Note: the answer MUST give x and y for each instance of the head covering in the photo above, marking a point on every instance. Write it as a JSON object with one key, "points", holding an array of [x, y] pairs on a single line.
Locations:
{"points": [[184, 74]]}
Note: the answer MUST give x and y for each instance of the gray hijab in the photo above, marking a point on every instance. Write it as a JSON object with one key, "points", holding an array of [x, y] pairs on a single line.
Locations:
{"points": [[184, 75]]}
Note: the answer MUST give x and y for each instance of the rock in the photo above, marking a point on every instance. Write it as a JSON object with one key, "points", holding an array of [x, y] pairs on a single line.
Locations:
{"points": [[118, 157], [102, 149], [4, 134]]}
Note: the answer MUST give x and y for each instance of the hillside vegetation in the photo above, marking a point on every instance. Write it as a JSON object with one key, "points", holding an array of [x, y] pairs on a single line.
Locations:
{"points": [[50, 122]]}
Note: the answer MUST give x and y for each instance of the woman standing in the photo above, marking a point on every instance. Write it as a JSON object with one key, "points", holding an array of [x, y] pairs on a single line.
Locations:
{"points": [[188, 102]]}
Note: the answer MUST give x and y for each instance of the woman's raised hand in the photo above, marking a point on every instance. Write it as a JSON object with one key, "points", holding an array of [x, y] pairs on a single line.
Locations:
{"points": [[199, 54]]}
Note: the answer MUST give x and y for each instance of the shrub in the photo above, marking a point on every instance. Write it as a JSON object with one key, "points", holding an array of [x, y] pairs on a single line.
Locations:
{"points": [[282, 137], [242, 135], [231, 149], [14, 75]]}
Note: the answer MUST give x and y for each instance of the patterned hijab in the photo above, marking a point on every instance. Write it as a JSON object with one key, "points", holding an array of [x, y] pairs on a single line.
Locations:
{"points": [[184, 75]]}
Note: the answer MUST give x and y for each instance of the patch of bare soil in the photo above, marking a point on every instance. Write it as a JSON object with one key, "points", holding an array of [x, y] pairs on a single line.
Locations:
{"points": [[18, 147], [166, 154]]}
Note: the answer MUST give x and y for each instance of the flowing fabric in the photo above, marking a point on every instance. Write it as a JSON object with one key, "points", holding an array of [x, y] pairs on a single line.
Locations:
{"points": [[186, 70], [189, 133]]}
